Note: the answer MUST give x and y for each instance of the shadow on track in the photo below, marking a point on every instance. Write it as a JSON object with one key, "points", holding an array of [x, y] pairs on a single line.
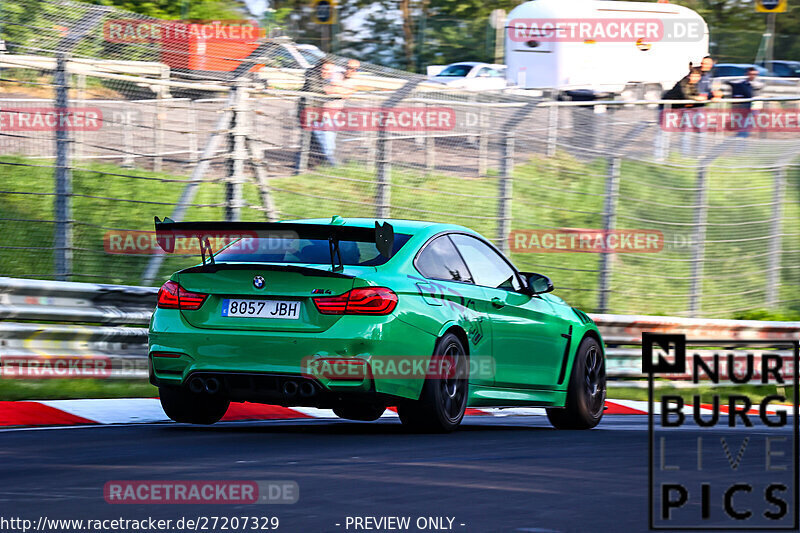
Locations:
{"points": [[343, 427]]}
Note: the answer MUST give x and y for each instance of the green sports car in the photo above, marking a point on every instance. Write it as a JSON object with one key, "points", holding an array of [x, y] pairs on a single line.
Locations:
{"points": [[356, 315]]}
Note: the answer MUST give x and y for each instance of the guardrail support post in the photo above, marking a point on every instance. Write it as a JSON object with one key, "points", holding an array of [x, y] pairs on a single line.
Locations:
{"points": [[483, 141], [383, 148], [609, 221], [774, 269], [430, 153], [700, 216], [194, 152], [63, 177], [552, 130], [505, 193], [158, 133], [127, 139], [238, 154]]}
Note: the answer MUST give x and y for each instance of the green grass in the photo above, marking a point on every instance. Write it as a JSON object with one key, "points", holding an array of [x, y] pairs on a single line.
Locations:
{"points": [[551, 192], [65, 389]]}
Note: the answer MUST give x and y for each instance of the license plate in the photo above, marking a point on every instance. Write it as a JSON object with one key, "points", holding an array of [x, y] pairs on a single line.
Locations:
{"points": [[261, 308]]}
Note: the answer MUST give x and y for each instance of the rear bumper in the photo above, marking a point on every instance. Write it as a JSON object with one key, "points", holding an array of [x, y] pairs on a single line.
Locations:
{"points": [[273, 353]]}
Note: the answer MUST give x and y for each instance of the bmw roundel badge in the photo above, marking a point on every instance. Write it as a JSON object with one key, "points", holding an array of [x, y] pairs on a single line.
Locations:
{"points": [[258, 282]]}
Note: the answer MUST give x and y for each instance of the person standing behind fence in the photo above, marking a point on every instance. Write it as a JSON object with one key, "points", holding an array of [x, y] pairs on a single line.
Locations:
{"points": [[745, 89], [688, 88], [685, 89], [325, 79], [704, 86]]}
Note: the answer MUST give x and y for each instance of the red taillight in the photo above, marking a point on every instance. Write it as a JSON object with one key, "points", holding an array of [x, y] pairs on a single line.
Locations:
{"points": [[166, 354], [173, 296], [362, 301], [168, 296]]}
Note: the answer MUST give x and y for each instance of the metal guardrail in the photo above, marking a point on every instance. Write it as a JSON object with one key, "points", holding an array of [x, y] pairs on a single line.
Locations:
{"points": [[48, 318], [52, 318]]}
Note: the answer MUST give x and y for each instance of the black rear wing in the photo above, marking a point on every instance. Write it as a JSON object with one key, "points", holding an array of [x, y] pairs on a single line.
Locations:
{"points": [[168, 231]]}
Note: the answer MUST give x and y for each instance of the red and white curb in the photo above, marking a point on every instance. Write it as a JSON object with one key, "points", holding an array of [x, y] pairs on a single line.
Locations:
{"points": [[148, 410]]}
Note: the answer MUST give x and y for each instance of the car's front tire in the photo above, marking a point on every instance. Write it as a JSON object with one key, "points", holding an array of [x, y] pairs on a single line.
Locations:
{"points": [[443, 401], [586, 391], [182, 405]]}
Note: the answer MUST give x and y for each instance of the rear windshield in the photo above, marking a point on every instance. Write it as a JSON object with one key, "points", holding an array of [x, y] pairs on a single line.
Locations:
{"points": [[305, 251]]}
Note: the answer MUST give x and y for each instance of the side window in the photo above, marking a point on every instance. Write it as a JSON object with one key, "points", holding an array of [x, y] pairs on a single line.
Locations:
{"points": [[487, 267], [440, 260]]}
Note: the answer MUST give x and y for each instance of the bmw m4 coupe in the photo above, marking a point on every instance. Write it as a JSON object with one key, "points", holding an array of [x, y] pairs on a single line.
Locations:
{"points": [[358, 315]]}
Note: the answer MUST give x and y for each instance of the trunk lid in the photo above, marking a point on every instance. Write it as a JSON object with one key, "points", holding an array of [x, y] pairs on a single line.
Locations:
{"points": [[289, 284]]}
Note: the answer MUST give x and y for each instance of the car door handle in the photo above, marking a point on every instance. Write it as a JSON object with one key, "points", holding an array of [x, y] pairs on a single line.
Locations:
{"points": [[498, 303]]}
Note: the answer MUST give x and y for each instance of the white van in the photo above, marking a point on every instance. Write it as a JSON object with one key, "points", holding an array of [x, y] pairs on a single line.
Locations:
{"points": [[537, 59]]}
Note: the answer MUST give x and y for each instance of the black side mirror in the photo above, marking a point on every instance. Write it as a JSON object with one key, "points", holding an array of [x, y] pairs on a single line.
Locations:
{"points": [[537, 283]]}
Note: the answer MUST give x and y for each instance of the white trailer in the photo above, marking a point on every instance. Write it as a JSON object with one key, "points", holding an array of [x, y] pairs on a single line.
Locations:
{"points": [[539, 58]]}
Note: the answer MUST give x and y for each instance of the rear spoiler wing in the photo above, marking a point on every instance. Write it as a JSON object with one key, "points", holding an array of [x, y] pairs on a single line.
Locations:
{"points": [[167, 231]]}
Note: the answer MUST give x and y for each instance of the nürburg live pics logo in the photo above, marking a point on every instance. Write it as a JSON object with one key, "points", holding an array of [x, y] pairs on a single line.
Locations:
{"points": [[723, 433]]}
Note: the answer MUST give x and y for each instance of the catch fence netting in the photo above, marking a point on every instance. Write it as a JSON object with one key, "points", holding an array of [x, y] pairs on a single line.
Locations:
{"points": [[230, 131]]}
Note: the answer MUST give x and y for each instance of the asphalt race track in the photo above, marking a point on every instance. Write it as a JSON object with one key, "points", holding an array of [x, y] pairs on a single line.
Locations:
{"points": [[495, 474]]}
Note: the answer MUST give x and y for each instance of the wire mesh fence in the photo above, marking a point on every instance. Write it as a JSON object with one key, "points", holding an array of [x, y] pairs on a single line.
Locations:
{"points": [[700, 222]]}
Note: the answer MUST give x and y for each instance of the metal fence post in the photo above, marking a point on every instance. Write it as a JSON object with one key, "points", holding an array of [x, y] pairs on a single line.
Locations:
{"points": [[774, 270], [700, 216], [552, 130], [383, 148], [63, 178], [305, 149], [237, 144], [505, 193], [663, 137], [609, 221]]}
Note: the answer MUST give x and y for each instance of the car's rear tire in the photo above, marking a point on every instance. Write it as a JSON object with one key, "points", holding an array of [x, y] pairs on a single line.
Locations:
{"points": [[443, 401], [363, 412], [185, 406], [586, 391]]}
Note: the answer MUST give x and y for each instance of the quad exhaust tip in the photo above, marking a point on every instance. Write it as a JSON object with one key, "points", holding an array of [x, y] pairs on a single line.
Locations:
{"points": [[212, 385], [290, 388], [196, 385], [307, 389], [199, 385]]}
